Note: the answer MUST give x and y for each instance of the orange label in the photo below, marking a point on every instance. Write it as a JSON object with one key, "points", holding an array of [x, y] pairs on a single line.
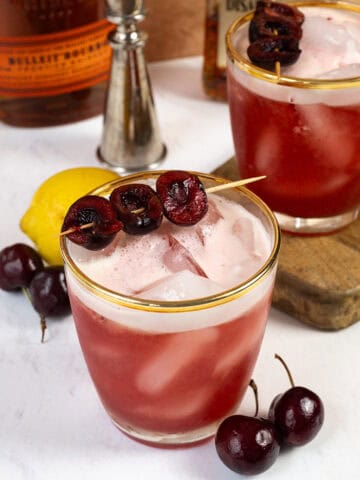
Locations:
{"points": [[54, 63]]}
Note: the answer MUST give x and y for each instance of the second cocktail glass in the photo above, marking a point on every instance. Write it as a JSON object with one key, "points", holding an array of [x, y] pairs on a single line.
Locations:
{"points": [[303, 133]]}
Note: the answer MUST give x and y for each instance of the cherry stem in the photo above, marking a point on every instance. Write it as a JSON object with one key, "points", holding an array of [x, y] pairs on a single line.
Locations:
{"points": [[43, 328], [286, 368], [253, 385], [76, 229], [42, 320], [237, 183]]}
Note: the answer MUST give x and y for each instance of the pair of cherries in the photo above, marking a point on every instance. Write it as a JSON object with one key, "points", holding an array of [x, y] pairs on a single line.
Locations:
{"points": [[136, 208], [21, 267], [274, 34], [250, 445]]}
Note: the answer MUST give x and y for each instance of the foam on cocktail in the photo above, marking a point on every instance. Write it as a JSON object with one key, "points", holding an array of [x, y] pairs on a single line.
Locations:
{"points": [[330, 49], [226, 248]]}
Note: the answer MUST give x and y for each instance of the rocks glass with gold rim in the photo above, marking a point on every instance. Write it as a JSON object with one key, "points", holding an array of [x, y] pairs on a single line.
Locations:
{"points": [[167, 372], [303, 133]]}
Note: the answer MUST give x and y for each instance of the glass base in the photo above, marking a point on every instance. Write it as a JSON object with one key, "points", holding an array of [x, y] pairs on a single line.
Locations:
{"points": [[315, 226], [160, 439]]}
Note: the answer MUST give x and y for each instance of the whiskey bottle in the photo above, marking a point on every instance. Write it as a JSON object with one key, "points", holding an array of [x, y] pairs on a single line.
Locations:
{"points": [[54, 61], [219, 16]]}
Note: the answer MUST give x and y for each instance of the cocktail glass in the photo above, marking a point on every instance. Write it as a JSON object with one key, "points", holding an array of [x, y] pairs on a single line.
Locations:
{"points": [[303, 133], [167, 372]]}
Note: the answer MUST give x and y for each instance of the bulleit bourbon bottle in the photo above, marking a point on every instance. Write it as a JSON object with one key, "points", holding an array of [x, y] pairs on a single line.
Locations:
{"points": [[54, 61], [219, 16]]}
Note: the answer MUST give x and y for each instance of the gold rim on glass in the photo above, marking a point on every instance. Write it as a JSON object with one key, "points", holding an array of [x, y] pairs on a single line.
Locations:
{"points": [[307, 83], [183, 305]]}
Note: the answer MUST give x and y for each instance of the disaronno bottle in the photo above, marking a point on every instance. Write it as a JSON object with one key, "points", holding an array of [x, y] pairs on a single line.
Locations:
{"points": [[54, 60], [219, 15]]}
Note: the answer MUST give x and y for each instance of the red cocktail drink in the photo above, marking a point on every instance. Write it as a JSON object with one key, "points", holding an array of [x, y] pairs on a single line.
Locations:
{"points": [[168, 383], [303, 134], [171, 323]]}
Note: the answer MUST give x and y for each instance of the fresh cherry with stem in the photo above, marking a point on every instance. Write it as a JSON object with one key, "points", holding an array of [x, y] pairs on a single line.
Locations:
{"points": [[247, 445], [48, 294], [298, 413]]}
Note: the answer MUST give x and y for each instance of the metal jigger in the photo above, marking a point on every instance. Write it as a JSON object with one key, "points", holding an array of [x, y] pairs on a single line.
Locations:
{"points": [[130, 139]]}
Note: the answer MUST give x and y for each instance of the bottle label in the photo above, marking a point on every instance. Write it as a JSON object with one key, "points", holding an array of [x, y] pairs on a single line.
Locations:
{"points": [[55, 63], [229, 10]]}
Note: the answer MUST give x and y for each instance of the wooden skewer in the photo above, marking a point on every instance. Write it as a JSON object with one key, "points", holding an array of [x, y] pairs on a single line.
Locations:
{"points": [[277, 69], [75, 229], [138, 210], [277, 63], [217, 188], [237, 183]]}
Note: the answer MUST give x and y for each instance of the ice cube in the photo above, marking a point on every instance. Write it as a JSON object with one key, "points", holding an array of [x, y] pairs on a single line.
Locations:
{"points": [[178, 258], [179, 286], [242, 344], [249, 235], [174, 361], [175, 408], [267, 149], [331, 139], [204, 228]]}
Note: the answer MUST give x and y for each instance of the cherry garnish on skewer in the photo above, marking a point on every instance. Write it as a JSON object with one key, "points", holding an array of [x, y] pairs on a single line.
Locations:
{"points": [[183, 197], [138, 207], [247, 445], [282, 10], [274, 34], [265, 26], [92, 222], [298, 413], [268, 52]]}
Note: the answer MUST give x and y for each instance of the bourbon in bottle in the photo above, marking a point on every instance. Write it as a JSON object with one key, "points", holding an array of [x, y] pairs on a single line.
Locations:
{"points": [[54, 61], [219, 16]]}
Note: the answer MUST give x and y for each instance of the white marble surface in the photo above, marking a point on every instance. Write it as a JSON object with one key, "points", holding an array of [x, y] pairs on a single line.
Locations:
{"points": [[52, 425]]}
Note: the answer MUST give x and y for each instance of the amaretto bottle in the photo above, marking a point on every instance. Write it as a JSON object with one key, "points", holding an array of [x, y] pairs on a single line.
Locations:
{"points": [[219, 15], [54, 61]]}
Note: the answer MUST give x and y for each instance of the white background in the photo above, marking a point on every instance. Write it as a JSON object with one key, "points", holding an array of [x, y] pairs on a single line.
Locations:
{"points": [[52, 425]]}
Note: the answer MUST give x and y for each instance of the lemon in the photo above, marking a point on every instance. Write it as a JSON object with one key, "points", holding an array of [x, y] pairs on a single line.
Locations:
{"points": [[43, 220]]}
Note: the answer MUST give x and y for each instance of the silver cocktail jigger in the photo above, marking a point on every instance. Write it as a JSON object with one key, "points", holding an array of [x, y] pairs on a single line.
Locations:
{"points": [[131, 139]]}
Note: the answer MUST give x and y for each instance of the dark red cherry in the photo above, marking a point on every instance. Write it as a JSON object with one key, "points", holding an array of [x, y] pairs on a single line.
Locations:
{"points": [[264, 26], [48, 292], [298, 413], [18, 264], [265, 52], [247, 445], [280, 10], [138, 207], [91, 222], [183, 196]]}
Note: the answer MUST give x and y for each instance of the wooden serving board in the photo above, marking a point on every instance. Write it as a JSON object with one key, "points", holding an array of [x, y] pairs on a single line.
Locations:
{"points": [[318, 280]]}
